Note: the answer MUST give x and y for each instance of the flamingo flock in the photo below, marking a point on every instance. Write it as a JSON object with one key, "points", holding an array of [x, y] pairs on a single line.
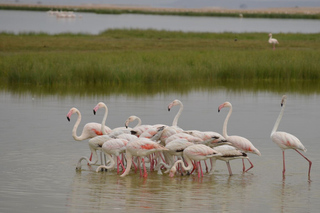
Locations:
{"points": [[169, 148]]}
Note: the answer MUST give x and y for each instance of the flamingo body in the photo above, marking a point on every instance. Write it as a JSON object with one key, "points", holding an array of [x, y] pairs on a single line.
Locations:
{"points": [[273, 41], [286, 140]]}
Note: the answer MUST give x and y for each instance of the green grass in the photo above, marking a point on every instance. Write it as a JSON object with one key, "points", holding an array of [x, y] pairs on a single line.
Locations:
{"points": [[145, 59]]}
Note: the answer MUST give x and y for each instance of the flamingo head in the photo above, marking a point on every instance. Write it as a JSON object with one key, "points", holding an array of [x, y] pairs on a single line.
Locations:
{"points": [[173, 103], [172, 171], [270, 34], [129, 120], [283, 100], [71, 111], [225, 104], [98, 106]]}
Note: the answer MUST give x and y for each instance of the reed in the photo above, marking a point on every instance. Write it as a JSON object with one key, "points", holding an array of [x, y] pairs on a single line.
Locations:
{"points": [[157, 58]]}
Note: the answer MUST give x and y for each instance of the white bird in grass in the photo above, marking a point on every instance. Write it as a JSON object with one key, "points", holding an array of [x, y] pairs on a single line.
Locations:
{"points": [[273, 41], [287, 141]]}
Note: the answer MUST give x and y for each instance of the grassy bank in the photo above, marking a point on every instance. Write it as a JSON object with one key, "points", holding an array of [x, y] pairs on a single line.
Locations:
{"points": [[158, 58], [282, 13]]}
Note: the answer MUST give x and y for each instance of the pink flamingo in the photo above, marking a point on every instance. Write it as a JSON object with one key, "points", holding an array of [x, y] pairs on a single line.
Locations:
{"points": [[141, 147], [228, 153], [113, 148], [210, 138], [138, 129], [114, 132], [273, 41], [94, 145], [90, 130], [287, 141], [239, 142], [197, 153], [175, 148], [171, 130]]}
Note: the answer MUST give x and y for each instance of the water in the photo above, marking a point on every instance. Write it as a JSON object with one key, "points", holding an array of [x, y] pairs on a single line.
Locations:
{"points": [[230, 4], [38, 155], [24, 21]]}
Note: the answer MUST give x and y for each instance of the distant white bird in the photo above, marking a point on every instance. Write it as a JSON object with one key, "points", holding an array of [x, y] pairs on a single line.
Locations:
{"points": [[273, 41], [287, 141]]}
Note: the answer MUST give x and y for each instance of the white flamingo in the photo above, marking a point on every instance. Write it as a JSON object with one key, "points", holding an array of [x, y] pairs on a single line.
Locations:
{"points": [[239, 142], [90, 130], [197, 153], [171, 130], [114, 132], [286, 140], [273, 41], [141, 147], [228, 153], [113, 148]]}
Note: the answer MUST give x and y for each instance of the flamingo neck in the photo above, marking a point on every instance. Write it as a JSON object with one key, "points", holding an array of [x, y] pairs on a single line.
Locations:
{"points": [[75, 127], [188, 161], [224, 131], [175, 120], [139, 122], [103, 123], [276, 125], [129, 163]]}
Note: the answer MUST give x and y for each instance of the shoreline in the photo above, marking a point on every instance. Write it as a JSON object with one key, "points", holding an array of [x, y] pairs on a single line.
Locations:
{"points": [[183, 11]]}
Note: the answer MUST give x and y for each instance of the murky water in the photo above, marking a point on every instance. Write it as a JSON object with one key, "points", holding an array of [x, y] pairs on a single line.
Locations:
{"points": [[91, 23], [38, 155]]}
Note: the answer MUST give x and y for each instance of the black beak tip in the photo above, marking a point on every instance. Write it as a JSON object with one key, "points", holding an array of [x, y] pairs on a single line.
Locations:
{"points": [[94, 112], [68, 118]]}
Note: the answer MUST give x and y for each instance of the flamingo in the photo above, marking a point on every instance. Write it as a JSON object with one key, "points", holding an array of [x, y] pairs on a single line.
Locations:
{"points": [[273, 41], [138, 129], [239, 142], [114, 132], [113, 148], [171, 130], [228, 153], [141, 147], [286, 140], [210, 138], [94, 145], [197, 153], [90, 130], [175, 148]]}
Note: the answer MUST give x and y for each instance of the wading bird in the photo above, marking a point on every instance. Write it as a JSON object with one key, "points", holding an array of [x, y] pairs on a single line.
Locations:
{"points": [[273, 41], [287, 141], [239, 142]]}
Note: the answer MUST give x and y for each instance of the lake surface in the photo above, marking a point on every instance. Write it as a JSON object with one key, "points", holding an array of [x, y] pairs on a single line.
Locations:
{"points": [[90, 23], [38, 155], [230, 4]]}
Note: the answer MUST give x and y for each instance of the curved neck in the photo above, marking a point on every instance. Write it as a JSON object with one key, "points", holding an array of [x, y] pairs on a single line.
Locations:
{"points": [[276, 125], [188, 161], [175, 120], [129, 163], [139, 122], [103, 123], [75, 127], [224, 131]]}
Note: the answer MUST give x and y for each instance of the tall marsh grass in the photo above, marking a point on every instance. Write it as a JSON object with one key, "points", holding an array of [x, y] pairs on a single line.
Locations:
{"points": [[149, 57]]}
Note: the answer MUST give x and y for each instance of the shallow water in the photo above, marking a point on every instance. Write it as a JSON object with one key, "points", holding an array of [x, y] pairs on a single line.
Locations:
{"points": [[38, 155], [90, 23]]}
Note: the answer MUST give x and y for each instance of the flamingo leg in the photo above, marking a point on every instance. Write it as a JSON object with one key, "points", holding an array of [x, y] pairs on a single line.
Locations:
{"points": [[121, 163], [244, 166], [205, 162], [90, 159], [250, 166], [229, 168], [310, 163], [284, 164], [145, 174]]}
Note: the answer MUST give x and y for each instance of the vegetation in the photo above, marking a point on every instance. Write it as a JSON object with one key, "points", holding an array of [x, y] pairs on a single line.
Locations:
{"points": [[148, 60]]}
